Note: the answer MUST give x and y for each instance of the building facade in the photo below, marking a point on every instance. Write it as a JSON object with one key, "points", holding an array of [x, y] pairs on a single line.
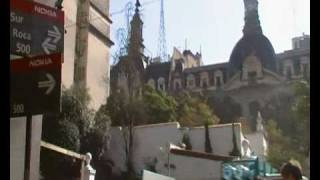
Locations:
{"points": [[252, 76], [99, 43]]}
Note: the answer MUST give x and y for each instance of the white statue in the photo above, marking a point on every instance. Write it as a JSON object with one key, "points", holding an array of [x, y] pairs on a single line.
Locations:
{"points": [[246, 148], [89, 172], [259, 123]]}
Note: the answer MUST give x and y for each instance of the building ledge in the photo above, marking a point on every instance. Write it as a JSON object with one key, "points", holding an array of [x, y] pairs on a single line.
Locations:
{"points": [[202, 155], [106, 40], [100, 12]]}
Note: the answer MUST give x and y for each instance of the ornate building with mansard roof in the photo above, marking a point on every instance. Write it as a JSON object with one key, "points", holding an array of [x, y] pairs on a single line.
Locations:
{"points": [[253, 75]]}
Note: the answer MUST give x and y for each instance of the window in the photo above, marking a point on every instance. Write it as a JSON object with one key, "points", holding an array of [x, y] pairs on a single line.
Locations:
{"points": [[218, 78], [161, 87], [218, 81], [151, 83], [204, 77], [252, 74], [305, 70], [190, 81], [288, 69], [161, 84], [288, 73], [177, 84], [204, 84], [252, 77]]}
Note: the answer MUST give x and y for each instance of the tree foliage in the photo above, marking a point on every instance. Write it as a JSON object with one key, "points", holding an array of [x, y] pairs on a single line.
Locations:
{"points": [[225, 108], [194, 111], [159, 106], [153, 107], [74, 128], [292, 142], [280, 147]]}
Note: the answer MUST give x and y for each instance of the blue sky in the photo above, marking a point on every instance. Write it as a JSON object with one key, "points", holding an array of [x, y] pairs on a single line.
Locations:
{"points": [[215, 25]]}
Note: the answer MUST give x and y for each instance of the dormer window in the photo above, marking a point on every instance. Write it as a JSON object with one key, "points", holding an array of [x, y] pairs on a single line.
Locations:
{"points": [[204, 79], [252, 68], [288, 69], [218, 77], [161, 84], [190, 81], [252, 77], [177, 84], [218, 81]]}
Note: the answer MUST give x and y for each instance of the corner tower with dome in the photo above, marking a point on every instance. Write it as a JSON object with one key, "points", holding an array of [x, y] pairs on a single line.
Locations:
{"points": [[252, 43]]}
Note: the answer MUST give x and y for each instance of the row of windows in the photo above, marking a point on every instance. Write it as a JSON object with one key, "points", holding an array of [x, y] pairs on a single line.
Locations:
{"points": [[191, 82], [289, 69], [161, 84], [204, 80]]}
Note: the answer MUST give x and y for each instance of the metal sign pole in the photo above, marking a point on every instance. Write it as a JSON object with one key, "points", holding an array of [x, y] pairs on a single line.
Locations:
{"points": [[28, 147]]}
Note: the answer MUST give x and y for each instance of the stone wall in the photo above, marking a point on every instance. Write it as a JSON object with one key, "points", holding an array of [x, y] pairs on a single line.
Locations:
{"points": [[150, 144]]}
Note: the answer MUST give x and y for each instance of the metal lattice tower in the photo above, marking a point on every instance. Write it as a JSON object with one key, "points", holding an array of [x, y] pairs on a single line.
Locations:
{"points": [[162, 48]]}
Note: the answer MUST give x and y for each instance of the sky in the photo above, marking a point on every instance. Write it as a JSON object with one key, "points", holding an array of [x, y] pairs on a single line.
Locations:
{"points": [[215, 26]]}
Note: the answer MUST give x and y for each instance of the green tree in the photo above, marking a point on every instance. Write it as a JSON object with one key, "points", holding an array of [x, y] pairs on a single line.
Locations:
{"points": [[194, 111], [74, 128], [301, 110], [229, 114], [65, 129], [295, 143], [280, 148], [159, 106]]}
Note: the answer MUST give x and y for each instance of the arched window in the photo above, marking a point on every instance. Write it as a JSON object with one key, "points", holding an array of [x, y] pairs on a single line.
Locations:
{"points": [[191, 81], [161, 84], [252, 68], [288, 69], [218, 78], [151, 83], [177, 84], [204, 79], [305, 67]]}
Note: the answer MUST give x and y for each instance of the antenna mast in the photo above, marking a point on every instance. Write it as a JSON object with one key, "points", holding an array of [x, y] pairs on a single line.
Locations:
{"points": [[162, 49]]}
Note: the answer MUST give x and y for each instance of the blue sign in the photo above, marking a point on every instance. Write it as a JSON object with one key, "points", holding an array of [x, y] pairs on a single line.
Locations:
{"points": [[246, 169]]}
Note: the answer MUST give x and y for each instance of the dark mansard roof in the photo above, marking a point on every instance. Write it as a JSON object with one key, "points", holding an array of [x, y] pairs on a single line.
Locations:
{"points": [[157, 70], [253, 43], [207, 67]]}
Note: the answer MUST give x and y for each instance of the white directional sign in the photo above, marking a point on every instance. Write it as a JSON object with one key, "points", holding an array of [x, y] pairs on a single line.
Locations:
{"points": [[35, 84], [50, 43], [35, 29], [48, 84], [55, 33]]}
